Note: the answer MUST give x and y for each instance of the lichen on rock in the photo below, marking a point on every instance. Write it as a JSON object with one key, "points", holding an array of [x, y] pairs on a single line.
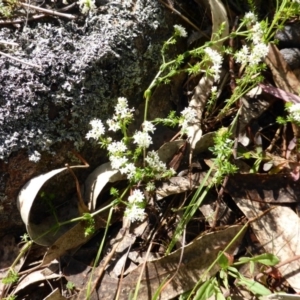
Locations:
{"points": [[85, 65]]}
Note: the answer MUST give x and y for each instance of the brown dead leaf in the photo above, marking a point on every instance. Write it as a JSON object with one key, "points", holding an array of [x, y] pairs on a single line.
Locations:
{"points": [[38, 276], [283, 76], [26, 201], [96, 182], [275, 189], [197, 257], [278, 231], [73, 238], [177, 185]]}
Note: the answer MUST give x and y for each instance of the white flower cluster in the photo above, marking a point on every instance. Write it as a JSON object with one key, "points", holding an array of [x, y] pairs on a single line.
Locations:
{"points": [[118, 159], [87, 5], [120, 156], [250, 18], [294, 111], [157, 166], [259, 51], [142, 138], [180, 31], [135, 210], [217, 59], [188, 116], [97, 130], [122, 112]]}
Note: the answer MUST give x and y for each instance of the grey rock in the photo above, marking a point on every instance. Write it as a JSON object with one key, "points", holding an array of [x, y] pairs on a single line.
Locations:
{"points": [[289, 36], [85, 64], [292, 57]]}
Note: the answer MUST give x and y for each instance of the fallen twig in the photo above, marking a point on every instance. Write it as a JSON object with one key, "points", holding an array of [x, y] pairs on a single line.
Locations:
{"points": [[48, 11], [8, 43], [19, 60]]}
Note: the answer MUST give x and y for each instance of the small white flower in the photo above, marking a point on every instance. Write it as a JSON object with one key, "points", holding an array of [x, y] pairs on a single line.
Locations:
{"points": [[137, 196], [134, 213], [116, 147], [121, 110], [97, 129], [214, 55], [87, 5], [217, 59], [180, 31], [129, 169], [259, 52], [257, 33], [154, 162], [250, 17], [150, 186], [242, 56], [148, 127], [113, 125], [188, 116], [117, 162], [122, 104], [142, 139], [294, 108], [294, 111], [213, 89]]}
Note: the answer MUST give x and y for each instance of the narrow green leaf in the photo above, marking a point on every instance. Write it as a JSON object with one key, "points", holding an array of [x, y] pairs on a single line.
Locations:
{"points": [[205, 291], [223, 261], [267, 259], [252, 265], [157, 293], [254, 286]]}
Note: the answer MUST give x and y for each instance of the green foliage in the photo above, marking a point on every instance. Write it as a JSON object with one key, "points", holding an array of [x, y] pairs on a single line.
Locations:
{"points": [[114, 192], [11, 277], [213, 285], [253, 286], [90, 224], [171, 120], [266, 259], [7, 7], [11, 297], [25, 238], [222, 149], [70, 285]]}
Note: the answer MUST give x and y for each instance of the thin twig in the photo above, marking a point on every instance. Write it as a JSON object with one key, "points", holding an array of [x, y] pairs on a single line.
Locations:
{"points": [[82, 207], [48, 11], [8, 43], [35, 17], [217, 210], [19, 60]]}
